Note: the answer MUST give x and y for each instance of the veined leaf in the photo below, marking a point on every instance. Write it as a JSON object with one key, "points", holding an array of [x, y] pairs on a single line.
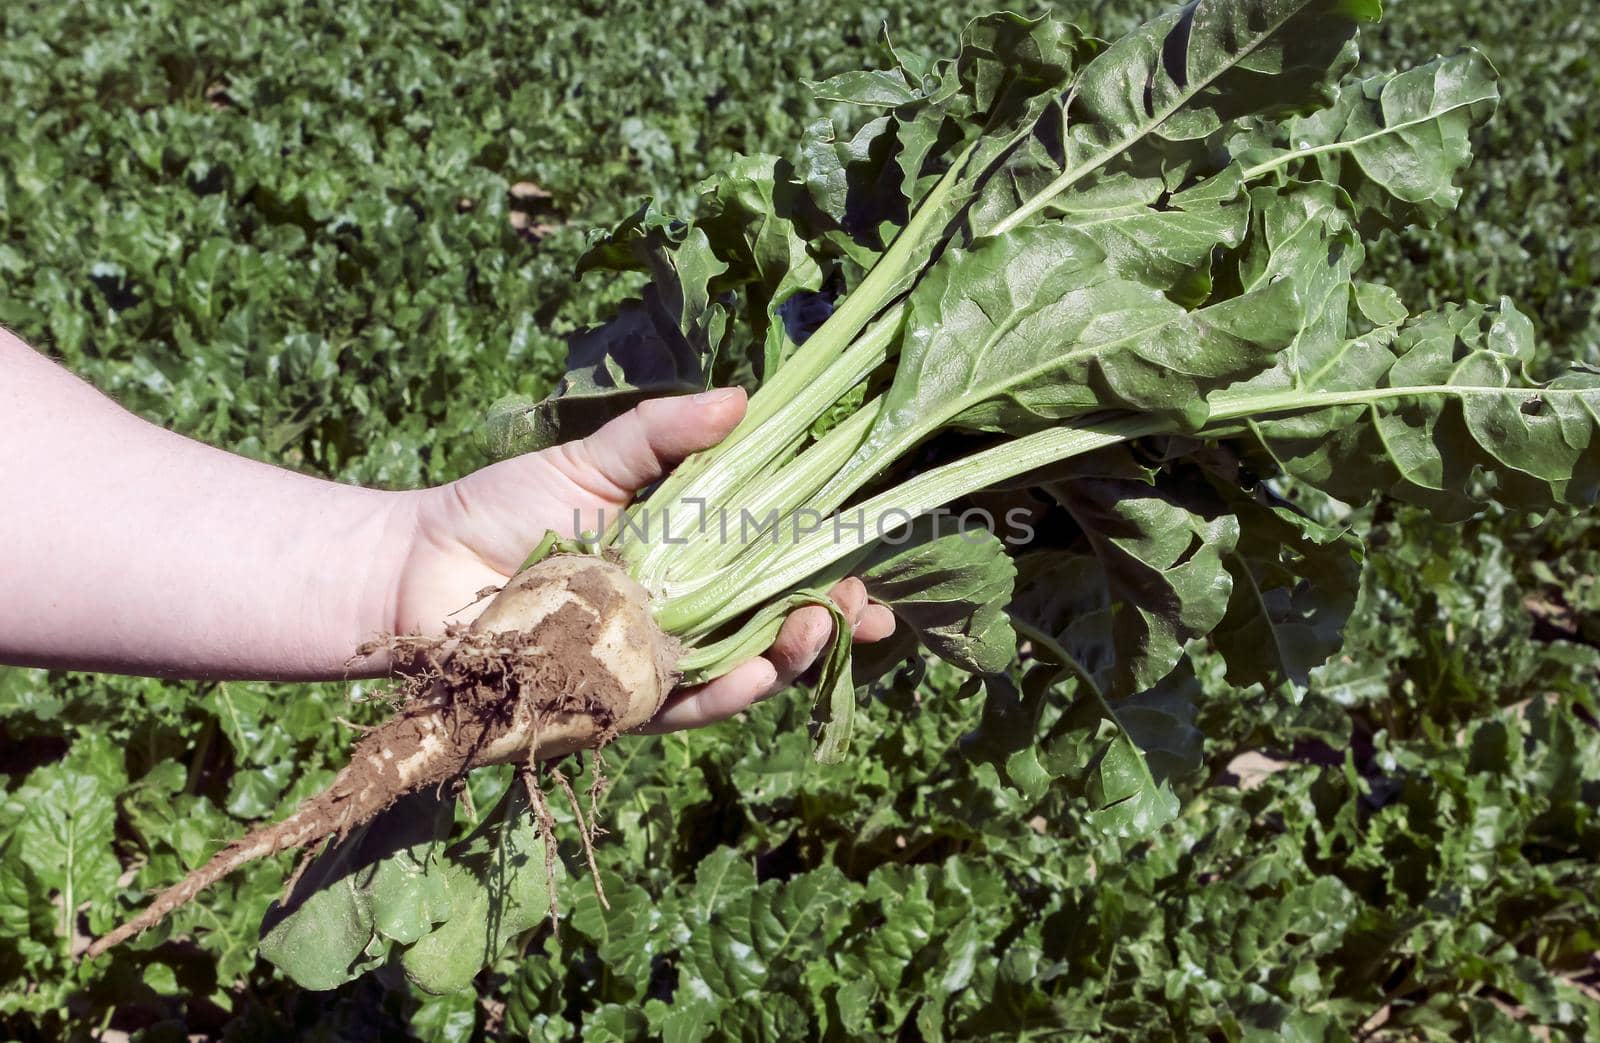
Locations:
{"points": [[61, 820], [1295, 584], [1289, 222], [966, 114], [1031, 328], [1170, 247], [664, 343], [1163, 566], [359, 895], [878, 88], [1395, 143], [496, 886], [1140, 106], [1128, 800], [639, 354], [1127, 797], [1005, 72], [1439, 412], [951, 588], [751, 214], [396, 889], [852, 181], [1161, 723], [1063, 597]]}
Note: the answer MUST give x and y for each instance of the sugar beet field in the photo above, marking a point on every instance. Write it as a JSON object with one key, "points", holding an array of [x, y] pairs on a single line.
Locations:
{"points": [[1275, 325]]}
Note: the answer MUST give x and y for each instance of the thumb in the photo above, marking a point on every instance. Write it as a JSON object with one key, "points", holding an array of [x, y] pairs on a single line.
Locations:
{"points": [[652, 438]]}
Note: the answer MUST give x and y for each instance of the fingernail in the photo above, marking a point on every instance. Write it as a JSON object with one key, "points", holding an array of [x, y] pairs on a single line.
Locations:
{"points": [[716, 396]]}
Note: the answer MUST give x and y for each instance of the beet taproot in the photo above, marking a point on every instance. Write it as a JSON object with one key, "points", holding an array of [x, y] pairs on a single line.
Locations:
{"points": [[563, 659]]}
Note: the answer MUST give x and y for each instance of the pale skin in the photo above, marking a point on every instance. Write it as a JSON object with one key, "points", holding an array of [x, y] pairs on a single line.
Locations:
{"points": [[127, 548]]}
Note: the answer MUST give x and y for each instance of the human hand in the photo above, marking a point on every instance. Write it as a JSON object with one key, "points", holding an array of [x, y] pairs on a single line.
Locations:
{"points": [[474, 533]]}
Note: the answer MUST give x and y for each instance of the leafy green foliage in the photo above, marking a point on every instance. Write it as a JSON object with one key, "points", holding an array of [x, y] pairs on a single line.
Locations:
{"points": [[1032, 312], [930, 581], [1438, 411], [257, 240], [398, 893], [1520, 230], [1370, 139]]}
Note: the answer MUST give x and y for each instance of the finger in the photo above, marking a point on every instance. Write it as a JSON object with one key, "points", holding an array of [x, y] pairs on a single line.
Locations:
{"points": [[716, 700], [877, 623], [649, 440], [802, 638], [806, 633], [851, 597]]}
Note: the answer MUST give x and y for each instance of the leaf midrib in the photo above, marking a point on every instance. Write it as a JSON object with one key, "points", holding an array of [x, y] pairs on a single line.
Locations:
{"points": [[1069, 178], [1354, 143]]}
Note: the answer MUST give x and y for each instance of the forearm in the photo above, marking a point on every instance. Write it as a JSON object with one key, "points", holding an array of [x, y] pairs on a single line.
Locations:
{"points": [[125, 547]]}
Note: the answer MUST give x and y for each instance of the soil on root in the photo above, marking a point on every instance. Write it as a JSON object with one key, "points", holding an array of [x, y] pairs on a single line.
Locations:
{"points": [[470, 689], [481, 681]]}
